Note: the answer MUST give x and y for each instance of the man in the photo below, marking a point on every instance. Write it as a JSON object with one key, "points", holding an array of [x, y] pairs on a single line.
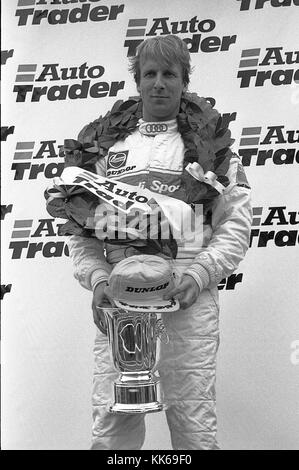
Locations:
{"points": [[155, 157]]}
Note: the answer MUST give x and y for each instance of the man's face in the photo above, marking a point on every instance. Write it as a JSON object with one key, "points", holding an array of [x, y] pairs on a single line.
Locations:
{"points": [[161, 88]]}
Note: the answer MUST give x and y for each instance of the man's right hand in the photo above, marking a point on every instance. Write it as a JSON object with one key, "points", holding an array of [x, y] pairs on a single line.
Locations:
{"points": [[100, 300]]}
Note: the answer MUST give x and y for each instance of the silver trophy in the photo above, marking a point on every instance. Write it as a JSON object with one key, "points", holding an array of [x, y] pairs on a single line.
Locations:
{"points": [[134, 351]]}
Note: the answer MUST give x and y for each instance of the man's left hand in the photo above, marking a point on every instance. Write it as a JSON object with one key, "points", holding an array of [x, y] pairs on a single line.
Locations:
{"points": [[186, 292]]}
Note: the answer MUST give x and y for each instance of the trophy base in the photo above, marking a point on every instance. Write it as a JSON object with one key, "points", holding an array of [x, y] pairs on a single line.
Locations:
{"points": [[121, 408], [137, 398]]}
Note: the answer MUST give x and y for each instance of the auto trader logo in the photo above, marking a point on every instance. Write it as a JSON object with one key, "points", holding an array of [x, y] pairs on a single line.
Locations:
{"points": [[259, 4], [255, 143], [63, 12], [280, 69], [283, 231], [24, 231], [138, 28], [84, 76], [30, 161]]}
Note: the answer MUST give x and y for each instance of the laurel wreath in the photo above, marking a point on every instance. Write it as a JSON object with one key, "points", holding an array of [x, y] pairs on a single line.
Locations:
{"points": [[206, 138]]}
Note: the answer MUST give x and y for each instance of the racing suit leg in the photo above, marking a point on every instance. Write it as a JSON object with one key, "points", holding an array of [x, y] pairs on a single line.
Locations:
{"points": [[187, 369], [111, 431]]}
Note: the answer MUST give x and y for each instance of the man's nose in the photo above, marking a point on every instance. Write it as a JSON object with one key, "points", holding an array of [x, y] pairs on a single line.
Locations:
{"points": [[159, 82]]}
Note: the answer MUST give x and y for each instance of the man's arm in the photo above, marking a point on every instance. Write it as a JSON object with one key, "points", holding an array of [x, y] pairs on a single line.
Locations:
{"points": [[231, 224], [89, 262], [87, 254]]}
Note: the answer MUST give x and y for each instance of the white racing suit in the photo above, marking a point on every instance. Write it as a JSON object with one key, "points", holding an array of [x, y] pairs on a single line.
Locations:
{"points": [[187, 366]]}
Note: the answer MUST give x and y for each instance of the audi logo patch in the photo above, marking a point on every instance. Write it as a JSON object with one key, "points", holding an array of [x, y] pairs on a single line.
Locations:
{"points": [[153, 128]]}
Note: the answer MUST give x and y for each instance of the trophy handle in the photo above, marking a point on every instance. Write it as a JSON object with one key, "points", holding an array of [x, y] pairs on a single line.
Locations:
{"points": [[161, 332]]}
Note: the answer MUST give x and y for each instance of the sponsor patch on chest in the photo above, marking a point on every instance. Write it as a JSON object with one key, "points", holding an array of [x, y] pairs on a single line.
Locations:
{"points": [[117, 160]]}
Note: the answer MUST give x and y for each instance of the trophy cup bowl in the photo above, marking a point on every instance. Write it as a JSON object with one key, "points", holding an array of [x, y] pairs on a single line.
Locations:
{"points": [[134, 351]]}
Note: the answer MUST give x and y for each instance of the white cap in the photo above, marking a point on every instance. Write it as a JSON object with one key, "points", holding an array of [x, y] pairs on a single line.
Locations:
{"points": [[139, 282]]}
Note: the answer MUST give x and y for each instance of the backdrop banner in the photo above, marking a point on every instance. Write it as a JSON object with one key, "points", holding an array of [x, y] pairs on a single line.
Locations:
{"points": [[65, 63]]}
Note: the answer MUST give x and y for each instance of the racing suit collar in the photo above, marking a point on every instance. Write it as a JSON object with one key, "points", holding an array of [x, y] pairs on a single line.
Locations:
{"points": [[155, 128]]}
